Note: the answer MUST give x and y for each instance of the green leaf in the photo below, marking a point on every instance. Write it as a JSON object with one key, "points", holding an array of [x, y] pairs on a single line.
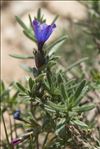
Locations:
{"points": [[40, 77], [51, 48], [76, 63], [4, 93], [22, 94], [84, 108], [63, 91], [31, 83], [55, 18], [26, 30], [49, 109], [79, 89], [30, 20], [57, 107], [80, 123], [39, 14], [27, 68], [21, 23], [61, 130], [60, 78], [30, 36], [20, 87], [76, 97], [21, 56], [51, 63], [46, 85], [56, 92], [2, 86]]}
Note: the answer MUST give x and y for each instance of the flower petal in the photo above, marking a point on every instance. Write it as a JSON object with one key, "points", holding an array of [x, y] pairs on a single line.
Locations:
{"points": [[36, 27], [49, 31], [42, 31]]}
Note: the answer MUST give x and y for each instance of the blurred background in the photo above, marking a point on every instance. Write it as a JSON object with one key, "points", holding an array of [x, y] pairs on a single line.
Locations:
{"points": [[14, 41]]}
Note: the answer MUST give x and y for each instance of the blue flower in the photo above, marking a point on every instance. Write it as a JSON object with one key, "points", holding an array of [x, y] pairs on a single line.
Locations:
{"points": [[16, 115], [42, 31]]}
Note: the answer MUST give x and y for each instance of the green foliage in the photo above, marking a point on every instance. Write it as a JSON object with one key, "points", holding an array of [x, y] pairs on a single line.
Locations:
{"points": [[21, 56], [27, 31]]}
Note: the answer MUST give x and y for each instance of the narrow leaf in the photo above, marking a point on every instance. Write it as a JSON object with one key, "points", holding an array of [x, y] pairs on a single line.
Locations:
{"points": [[54, 20], [63, 92], [26, 31], [40, 77], [63, 38], [31, 82], [30, 20], [57, 107], [2, 86], [5, 93], [80, 123], [20, 87], [84, 108], [46, 84], [76, 97], [39, 14], [79, 89], [27, 34], [76, 63], [21, 56], [21, 23], [26, 68]]}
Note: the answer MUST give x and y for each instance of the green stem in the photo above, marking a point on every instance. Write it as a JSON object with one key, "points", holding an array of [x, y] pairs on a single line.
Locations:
{"points": [[15, 130], [49, 76], [45, 140], [31, 141], [10, 127], [32, 110], [25, 121], [37, 143], [6, 131]]}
